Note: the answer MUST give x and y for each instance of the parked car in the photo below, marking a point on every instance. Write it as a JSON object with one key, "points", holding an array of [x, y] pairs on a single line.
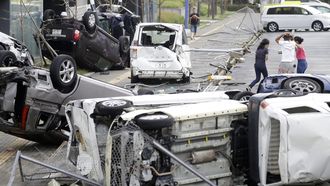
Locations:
{"points": [[276, 139], [303, 83], [281, 17], [324, 7], [160, 51], [13, 52], [32, 99], [99, 42]]}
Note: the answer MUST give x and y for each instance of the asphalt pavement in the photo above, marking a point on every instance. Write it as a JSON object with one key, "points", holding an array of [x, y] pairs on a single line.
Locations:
{"points": [[224, 34]]}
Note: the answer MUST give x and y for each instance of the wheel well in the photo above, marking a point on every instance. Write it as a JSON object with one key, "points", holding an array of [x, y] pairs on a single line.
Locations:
{"points": [[315, 79]]}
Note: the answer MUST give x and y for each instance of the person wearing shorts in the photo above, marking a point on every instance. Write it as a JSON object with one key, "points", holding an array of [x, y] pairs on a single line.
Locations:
{"points": [[288, 49]]}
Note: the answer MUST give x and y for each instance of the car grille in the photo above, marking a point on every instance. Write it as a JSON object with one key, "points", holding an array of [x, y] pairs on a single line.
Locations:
{"points": [[272, 164]]}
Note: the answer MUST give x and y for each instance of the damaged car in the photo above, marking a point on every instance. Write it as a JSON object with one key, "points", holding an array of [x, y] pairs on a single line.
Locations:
{"points": [[160, 51], [270, 141], [304, 83], [99, 41], [32, 99], [13, 52]]}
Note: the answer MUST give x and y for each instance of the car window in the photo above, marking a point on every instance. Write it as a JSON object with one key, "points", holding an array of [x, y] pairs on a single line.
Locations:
{"points": [[300, 11], [157, 35], [271, 11]]}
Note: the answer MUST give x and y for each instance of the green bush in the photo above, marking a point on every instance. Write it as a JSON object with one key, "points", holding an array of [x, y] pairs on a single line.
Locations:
{"points": [[170, 17], [236, 7], [203, 10], [172, 4]]}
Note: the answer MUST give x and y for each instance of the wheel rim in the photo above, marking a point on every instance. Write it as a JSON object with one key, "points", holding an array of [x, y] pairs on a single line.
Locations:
{"points": [[91, 20], [317, 26], [67, 71], [303, 86], [114, 103], [154, 117], [272, 27]]}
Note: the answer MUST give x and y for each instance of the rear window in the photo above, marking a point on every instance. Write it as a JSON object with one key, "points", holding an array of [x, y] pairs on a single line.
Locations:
{"points": [[157, 35]]}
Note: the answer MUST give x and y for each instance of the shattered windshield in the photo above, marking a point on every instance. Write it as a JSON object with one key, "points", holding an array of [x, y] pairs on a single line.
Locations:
{"points": [[157, 35]]}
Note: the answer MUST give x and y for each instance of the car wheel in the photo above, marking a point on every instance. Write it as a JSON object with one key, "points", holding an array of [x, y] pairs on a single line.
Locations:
{"points": [[7, 58], [134, 79], [63, 73], [111, 107], [304, 85], [272, 27], [154, 121], [48, 14], [89, 20], [326, 29], [317, 26], [243, 96], [125, 57]]}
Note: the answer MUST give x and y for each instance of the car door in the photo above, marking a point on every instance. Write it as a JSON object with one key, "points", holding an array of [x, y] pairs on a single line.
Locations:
{"points": [[286, 17], [302, 19]]}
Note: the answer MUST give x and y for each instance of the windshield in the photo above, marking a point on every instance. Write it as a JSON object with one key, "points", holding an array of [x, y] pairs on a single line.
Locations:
{"points": [[157, 35]]}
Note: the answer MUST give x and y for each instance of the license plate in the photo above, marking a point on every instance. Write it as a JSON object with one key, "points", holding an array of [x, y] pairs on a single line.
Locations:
{"points": [[56, 32], [160, 65]]}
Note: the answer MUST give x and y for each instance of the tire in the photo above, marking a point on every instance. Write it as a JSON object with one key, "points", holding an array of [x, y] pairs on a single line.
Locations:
{"points": [[326, 29], [304, 85], [272, 27], [90, 20], [126, 59], [154, 121], [317, 26], [134, 79], [124, 44], [63, 73], [2, 48], [7, 58], [112, 107], [48, 14], [243, 96]]}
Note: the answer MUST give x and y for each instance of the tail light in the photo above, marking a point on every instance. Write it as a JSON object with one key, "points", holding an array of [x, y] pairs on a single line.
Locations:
{"points": [[25, 112], [76, 35], [133, 52]]}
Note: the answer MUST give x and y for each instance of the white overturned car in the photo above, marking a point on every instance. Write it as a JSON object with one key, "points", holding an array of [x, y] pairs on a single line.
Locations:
{"points": [[160, 51], [13, 52], [276, 139]]}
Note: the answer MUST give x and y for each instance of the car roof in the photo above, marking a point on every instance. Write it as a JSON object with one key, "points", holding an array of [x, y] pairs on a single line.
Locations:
{"points": [[169, 25]]}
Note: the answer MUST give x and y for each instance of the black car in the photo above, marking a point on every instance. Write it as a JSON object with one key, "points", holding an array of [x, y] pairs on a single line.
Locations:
{"points": [[100, 41]]}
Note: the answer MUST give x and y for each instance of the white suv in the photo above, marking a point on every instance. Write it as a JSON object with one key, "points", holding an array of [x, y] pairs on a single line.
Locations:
{"points": [[281, 17]]}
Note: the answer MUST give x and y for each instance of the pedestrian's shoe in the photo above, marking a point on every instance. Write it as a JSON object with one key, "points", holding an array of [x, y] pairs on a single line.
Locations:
{"points": [[248, 89]]}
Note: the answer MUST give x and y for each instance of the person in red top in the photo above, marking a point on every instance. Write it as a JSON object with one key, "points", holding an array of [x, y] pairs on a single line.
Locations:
{"points": [[300, 54]]}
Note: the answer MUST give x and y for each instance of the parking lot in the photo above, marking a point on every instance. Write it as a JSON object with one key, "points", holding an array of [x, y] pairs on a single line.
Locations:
{"points": [[218, 35]]}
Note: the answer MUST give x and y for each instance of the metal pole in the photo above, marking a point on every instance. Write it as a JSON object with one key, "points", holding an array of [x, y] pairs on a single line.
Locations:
{"points": [[192, 170], [186, 14]]}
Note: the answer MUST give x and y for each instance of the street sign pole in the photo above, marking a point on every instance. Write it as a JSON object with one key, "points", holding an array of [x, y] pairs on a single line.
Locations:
{"points": [[186, 17]]}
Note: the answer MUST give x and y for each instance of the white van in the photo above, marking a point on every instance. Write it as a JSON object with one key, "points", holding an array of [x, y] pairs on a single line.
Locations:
{"points": [[281, 17], [160, 51]]}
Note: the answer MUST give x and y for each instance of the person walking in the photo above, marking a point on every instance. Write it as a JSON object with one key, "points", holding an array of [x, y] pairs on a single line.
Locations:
{"points": [[194, 21], [260, 62], [300, 55], [288, 47]]}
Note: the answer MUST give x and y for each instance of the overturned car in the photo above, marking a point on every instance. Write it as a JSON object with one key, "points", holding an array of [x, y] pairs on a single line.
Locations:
{"points": [[99, 41], [274, 140], [32, 99]]}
